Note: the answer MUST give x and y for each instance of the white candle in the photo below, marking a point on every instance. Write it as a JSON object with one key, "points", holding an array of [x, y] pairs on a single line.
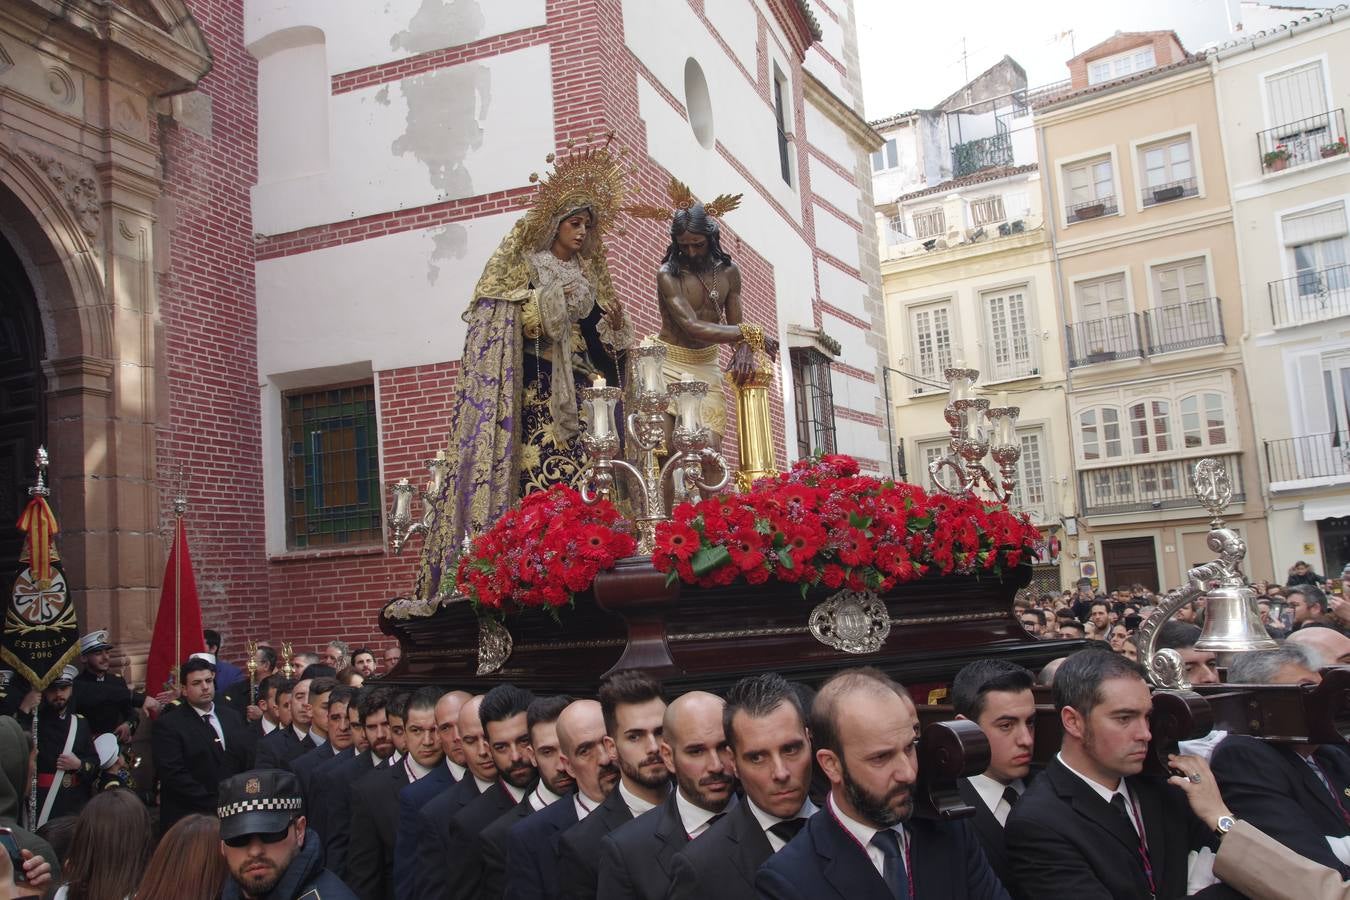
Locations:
{"points": [[598, 381]]}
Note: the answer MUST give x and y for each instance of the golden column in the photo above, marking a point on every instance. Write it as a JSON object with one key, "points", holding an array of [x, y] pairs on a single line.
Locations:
{"points": [[753, 432]]}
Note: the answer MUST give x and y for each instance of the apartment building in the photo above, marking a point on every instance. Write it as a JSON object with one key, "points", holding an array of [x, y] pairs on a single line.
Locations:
{"points": [[1282, 95], [1140, 223]]}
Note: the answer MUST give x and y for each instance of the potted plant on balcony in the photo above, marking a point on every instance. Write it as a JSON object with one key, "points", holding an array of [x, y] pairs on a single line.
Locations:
{"points": [[1276, 160], [1335, 148]]}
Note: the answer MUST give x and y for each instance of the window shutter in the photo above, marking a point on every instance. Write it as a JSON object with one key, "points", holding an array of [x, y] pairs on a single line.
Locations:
{"points": [[1296, 94]]}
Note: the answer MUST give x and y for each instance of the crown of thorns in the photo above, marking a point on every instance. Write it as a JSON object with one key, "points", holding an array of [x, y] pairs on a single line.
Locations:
{"points": [[683, 198]]}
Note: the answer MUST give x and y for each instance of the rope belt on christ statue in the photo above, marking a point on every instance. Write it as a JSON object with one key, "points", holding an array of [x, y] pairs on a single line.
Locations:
{"points": [[685, 356]]}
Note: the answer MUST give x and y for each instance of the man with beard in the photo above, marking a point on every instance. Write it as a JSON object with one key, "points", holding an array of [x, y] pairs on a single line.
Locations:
{"points": [[333, 781], [363, 661], [278, 749], [554, 784], [996, 695], [416, 795], [67, 763], [505, 716], [864, 845], [635, 859], [1090, 825], [433, 821], [370, 853], [634, 712], [770, 749], [700, 292], [532, 846], [268, 848], [398, 710], [108, 704]]}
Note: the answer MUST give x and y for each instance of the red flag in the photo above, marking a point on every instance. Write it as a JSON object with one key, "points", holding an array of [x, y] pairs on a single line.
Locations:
{"points": [[161, 661]]}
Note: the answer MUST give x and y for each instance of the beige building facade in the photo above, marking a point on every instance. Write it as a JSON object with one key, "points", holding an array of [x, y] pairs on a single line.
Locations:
{"points": [[1140, 223], [1282, 97]]}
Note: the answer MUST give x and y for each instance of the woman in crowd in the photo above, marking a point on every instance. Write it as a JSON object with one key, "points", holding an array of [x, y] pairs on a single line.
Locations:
{"points": [[188, 864], [108, 850]]}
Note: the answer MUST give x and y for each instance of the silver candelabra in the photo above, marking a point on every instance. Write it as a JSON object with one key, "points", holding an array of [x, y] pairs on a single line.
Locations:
{"points": [[646, 425], [401, 524], [977, 430]]}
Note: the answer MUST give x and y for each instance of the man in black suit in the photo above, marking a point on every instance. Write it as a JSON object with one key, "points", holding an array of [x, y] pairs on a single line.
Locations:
{"points": [[532, 844], [996, 695], [866, 845], [433, 821], [635, 859], [504, 713], [374, 822], [278, 749], [770, 748], [197, 744], [341, 745], [554, 784], [333, 780], [1090, 825], [634, 711], [241, 696], [416, 795], [1298, 794], [320, 703]]}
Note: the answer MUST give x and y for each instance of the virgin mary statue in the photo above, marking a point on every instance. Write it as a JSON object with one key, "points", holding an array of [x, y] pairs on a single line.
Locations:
{"points": [[543, 321]]}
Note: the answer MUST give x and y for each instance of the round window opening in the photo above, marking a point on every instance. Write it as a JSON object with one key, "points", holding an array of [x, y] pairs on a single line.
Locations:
{"points": [[698, 102]]}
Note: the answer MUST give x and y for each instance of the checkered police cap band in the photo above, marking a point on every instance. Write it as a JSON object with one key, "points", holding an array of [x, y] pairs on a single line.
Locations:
{"points": [[267, 804]]}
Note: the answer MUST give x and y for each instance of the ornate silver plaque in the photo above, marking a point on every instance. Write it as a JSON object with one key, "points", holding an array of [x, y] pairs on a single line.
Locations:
{"points": [[852, 621], [494, 645]]}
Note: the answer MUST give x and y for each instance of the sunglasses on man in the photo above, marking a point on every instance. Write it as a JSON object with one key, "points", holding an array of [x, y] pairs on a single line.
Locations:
{"points": [[240, 841]]}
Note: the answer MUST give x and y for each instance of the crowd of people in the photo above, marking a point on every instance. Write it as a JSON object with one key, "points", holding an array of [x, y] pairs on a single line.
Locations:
{"points": [[326, 786]]}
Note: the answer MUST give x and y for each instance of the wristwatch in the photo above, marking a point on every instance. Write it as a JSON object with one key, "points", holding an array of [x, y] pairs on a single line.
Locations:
{"points": [[1224, 825]]}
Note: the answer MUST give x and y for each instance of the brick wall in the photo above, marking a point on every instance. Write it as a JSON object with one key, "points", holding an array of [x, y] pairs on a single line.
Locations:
{"points": [[210, 422]]}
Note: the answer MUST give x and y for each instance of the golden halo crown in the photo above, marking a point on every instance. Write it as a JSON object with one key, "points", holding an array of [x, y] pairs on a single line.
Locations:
{"points": [[590, 176], [683, 198]]}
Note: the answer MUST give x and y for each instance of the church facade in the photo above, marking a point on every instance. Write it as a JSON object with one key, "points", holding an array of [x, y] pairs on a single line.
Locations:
{"points": [[242, 236]]}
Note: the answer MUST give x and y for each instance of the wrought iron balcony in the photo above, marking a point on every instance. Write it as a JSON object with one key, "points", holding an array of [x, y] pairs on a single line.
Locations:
{"points": [[1299, 143], [1310, 296], [1103, 340], [1183, 326], [981, 153], [1147, 487], [1090, 209], [1172, 190], [1312, 456]]}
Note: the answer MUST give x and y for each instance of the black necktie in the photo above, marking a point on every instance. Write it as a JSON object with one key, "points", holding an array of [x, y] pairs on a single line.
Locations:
{"points": [[893, 869], [1118, 804], [787, 829], [206, 717], [1010, 796]]}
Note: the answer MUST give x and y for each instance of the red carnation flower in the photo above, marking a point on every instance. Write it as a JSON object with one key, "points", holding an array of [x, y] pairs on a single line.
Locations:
{"points": [[678, 540]]}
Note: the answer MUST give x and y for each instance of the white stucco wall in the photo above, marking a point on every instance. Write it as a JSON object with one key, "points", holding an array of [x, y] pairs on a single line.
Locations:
{"points": [[390, 29], [834, 189], [835, 237], [738, 25], [443, 135], [843, 291]]}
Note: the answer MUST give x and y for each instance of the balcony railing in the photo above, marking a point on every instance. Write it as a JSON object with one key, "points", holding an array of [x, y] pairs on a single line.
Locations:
{"points": [[1090, 209], [1310, 296], [981, 153], [1183, 326], [1148, 487], [1103, 340], [1172, 190], [1299, 143], [1309, 457]]}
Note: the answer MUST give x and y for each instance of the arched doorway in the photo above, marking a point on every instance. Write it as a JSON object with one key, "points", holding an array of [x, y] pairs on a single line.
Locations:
{"points": [[23, 414]]}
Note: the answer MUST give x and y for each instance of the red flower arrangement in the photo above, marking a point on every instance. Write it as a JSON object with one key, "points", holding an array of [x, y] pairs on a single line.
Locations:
{"points": [[824, 524], [543, 552]]}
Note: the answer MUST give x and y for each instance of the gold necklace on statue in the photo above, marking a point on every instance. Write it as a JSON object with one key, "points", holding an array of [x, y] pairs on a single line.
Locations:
{"points": [[709, 289]]}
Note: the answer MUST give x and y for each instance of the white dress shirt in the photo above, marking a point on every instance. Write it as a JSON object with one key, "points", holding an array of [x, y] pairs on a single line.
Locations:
{"points": [[456, 770], [863, 834], [482, 785], [209, 714], [416, 771], [584, 805], [300, 735], [696, 819], [268, 726], [541, 796], [636, 805], [517, 794], [767, 821], [991, 792]]}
